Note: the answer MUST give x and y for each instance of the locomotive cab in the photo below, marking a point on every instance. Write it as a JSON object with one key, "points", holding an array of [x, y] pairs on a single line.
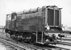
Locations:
{"points": [[10, 20]]}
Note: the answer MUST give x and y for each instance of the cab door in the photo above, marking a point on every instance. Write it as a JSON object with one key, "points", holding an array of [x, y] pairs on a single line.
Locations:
{"points": [[13, 21]]}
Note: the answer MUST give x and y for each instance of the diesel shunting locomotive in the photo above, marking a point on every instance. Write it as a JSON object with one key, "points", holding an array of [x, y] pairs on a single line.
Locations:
{"points": [[41, 26]]}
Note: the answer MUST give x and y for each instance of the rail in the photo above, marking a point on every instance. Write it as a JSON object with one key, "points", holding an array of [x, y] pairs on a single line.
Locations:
{"points": [[25, 46], [19, 46]]}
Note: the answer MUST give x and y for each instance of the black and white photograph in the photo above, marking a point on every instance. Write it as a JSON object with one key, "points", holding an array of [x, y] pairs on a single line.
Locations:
{"points": [[35, 24]]}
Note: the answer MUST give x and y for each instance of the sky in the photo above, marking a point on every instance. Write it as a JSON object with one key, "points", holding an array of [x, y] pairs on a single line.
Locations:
{"points": [[9, 6]]}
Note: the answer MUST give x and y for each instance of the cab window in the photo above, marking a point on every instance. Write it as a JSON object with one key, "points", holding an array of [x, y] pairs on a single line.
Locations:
{"points": [[8, 17], [13, 16]]}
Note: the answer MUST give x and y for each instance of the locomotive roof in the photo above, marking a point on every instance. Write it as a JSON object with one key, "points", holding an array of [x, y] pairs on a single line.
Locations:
{"points": [[37, 9]]}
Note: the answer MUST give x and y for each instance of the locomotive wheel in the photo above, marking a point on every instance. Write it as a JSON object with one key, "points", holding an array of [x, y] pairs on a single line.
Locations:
{"points": [[19, 39], [12, 36], [8, 35], [33, 39]]}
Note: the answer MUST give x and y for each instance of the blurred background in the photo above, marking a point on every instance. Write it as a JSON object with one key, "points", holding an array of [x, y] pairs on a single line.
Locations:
{"points": [[9, 6]]}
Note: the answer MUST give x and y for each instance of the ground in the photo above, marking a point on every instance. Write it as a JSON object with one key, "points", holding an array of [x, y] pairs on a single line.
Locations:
{"points": [[2, 45]]}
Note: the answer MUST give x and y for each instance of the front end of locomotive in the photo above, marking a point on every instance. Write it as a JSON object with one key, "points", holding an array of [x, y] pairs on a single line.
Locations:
{"points": [[53, 22], [53, 25]]}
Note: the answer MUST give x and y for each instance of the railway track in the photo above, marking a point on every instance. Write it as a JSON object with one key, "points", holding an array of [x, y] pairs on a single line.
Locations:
{"points": [[24, 46], [19, 46]]}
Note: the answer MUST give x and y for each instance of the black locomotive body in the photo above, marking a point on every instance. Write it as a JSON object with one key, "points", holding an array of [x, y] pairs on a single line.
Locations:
{"points": [[37, 26]]}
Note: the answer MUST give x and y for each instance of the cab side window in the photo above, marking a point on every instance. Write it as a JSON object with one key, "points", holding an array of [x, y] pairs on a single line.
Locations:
{"points": [[8, 17], [13, 16]]}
